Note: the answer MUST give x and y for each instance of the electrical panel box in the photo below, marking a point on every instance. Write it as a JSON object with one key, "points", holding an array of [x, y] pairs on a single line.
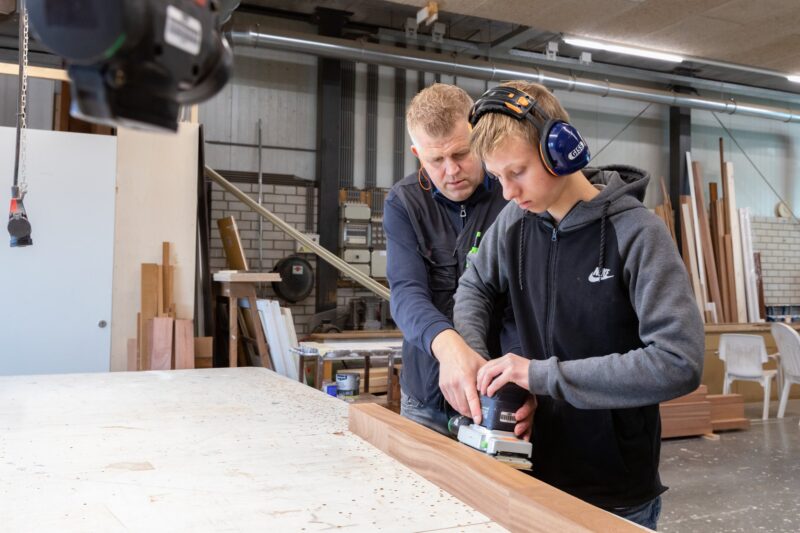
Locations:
{"points": [[356, 256], [378, 263], [355, 211], [356, 234]]}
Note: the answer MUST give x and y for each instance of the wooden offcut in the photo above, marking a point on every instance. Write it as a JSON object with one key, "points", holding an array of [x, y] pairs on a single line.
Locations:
{"points": [[690, 255], [232, 244], [203, 352], [740, 308], [184, 344], [515, 500], [727, 412], [686, 416], [159, 347]]}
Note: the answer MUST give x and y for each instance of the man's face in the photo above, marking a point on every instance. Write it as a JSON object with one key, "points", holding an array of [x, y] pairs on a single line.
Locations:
{"points": [[448, 162], [524, 179]]}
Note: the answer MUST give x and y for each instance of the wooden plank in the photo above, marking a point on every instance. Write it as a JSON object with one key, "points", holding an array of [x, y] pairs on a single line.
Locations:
{"points": [[762, 308], [685, 419], [696, 227], [722, 259], [184, 344], [690, 257], [356, 335], [751, 292], [727, 246], [736, 250], [705, 236], [515, 500], [159, 347], [232, 244], [698, 395], [46, 73], [167, 277], [160, 292], [250, 277], [133, 355], [203, 352], [149, 309]]}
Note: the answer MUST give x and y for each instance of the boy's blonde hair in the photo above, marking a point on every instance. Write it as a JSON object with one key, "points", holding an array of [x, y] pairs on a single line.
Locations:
{"points": [[435, 110], [494, 128]]}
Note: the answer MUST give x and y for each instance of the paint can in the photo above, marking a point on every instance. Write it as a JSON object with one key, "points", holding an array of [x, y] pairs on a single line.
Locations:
{"points": [[347, 384]]}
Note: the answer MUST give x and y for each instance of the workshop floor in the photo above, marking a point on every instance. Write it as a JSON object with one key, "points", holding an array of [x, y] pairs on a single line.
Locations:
{"points": [[746, 481]]}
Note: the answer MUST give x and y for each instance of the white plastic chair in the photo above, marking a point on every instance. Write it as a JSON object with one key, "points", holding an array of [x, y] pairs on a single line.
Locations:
{"points": [[744, 356], [788, 341]]}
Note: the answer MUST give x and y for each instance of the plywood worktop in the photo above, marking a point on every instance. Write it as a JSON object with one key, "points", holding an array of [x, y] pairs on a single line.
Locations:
{"points": [[238, 449]]}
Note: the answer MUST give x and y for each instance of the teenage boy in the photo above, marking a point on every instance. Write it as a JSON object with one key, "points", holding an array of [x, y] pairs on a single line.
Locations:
{"points": [[433, 219], [607, 322]]}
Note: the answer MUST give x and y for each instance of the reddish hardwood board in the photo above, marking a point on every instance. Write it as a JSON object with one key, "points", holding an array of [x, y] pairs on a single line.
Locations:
{"points": [[184, 344], [513, 499], [159, 352], [705, 237], [133, 355]]}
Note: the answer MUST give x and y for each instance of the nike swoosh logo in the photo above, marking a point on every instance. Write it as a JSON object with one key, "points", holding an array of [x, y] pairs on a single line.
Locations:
{"points": [[594, 277]]}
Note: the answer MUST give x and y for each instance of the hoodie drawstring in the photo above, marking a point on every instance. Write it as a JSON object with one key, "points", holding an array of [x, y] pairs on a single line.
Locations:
{"points": [[603, 218], [521, 250]]}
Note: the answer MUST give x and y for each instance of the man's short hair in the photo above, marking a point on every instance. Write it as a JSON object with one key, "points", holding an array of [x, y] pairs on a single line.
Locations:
{"points": [[494, 128], [435, 110]]}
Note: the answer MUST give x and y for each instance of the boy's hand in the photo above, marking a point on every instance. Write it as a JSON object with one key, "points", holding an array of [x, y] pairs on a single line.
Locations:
{"points": [[458, 368], [507, 369], [524, 417]]}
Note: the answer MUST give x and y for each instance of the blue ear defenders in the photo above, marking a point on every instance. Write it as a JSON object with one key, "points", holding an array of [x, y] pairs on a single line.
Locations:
{"points": [[562, 149]]}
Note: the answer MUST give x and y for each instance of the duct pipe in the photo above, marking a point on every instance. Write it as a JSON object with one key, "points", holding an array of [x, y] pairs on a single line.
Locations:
{"points": [[323, 253], [406, 58]]}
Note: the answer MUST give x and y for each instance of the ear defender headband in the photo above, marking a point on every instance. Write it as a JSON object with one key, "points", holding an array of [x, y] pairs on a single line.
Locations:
{"points": [[562, 149]]}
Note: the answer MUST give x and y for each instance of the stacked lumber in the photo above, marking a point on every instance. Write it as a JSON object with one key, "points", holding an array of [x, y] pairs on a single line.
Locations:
{"points": [[717, 248], [163, 340], [687, 416], [727, 412], [700, 413], [281, 337]]}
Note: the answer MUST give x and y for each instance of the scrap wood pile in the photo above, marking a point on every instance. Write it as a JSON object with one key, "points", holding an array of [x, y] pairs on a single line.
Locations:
{"points": [[163, 340], [717, 247]]}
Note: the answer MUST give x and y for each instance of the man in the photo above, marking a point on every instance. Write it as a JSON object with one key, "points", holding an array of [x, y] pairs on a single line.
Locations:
{"points": [[433, 219]]}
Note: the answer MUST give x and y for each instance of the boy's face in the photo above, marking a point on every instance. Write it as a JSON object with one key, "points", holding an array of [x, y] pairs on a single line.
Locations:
{"points": [[525, 181], [448, 162]]}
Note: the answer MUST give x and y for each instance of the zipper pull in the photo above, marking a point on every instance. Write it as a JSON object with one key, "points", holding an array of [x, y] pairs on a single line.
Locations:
{"points": [[554, 237], [463, 212]]}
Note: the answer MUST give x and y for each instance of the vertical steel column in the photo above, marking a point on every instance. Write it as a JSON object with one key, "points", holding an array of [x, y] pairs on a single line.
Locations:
{"points": [[329, 142], [680, 142], [399, 123]]}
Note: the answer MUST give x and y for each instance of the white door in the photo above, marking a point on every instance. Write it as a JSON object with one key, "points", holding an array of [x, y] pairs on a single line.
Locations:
{"points": [[55, 296]]}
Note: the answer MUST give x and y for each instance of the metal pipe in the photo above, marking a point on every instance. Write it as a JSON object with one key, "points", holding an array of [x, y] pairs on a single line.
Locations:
{"points": [[260, 202], [460, 66], [323, 253]]}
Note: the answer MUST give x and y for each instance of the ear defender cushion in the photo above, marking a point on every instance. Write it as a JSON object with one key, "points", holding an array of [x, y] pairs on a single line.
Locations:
{"points": [[562, 148]]}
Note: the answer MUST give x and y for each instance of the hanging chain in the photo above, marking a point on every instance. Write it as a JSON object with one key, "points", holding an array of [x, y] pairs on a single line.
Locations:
{"points": [[23, 102]]}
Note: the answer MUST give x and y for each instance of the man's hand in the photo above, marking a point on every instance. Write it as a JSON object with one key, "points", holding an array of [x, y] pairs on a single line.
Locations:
{"points": [[458, 368], [507, 369], [524, 418]]}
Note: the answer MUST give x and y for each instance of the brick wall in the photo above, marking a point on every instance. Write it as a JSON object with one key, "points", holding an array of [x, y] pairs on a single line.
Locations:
{"points": [[778, 241], [288, 202]]}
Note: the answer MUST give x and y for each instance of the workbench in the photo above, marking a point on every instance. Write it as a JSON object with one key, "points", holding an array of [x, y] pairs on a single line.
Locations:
{"points": [[230, 449]]}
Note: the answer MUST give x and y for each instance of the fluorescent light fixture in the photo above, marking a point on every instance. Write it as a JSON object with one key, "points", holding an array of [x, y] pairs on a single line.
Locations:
{"points": [[794, 78], [621, 49]]}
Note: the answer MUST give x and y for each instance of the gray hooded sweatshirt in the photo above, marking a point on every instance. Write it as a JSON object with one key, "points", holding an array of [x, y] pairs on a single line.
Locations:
{"points": [[606, 315]]}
